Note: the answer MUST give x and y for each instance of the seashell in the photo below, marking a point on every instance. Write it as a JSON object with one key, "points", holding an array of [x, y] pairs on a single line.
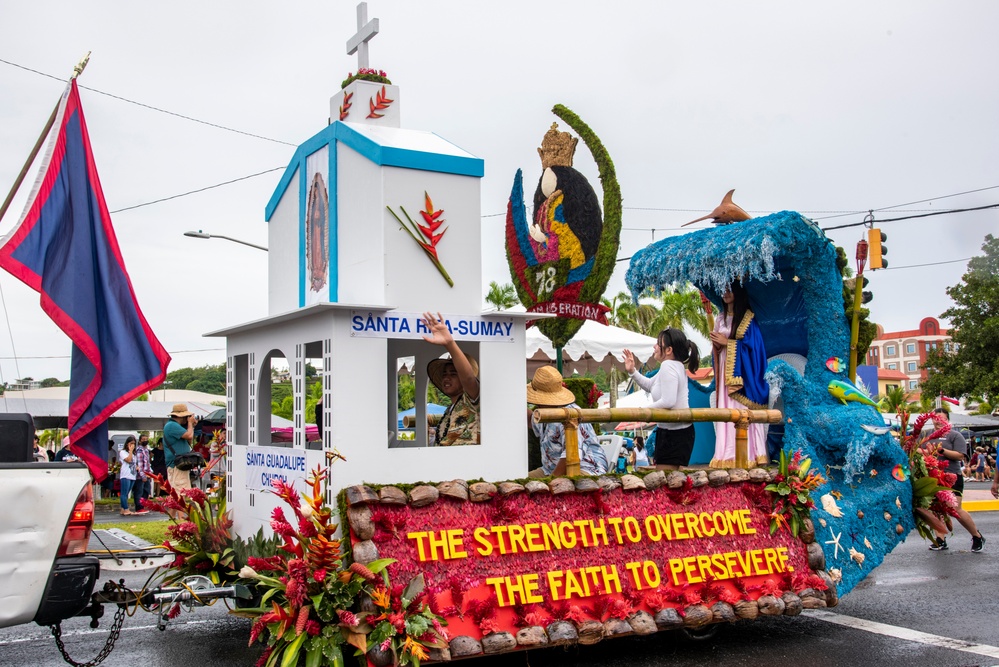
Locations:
{"points": [[836, 574], [860, 514], [822, 521], [887, 516], [899, 529], [867, 544], [898, 503], [830, 506], [856, 556]]}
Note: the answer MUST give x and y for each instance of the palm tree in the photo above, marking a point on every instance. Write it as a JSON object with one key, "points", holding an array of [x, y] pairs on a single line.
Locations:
{"points": [[683, 308], [501, 297], [894, 400], [613, 319], [926, 403], [614, 306], [678, 309]]}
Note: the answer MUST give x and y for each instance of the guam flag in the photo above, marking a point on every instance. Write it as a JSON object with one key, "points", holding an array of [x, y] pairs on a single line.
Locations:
{"points": [[65, 248]]}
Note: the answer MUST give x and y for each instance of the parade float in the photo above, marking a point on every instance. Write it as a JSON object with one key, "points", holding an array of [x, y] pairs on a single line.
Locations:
{"points": [[400, 551], [362, 543]]}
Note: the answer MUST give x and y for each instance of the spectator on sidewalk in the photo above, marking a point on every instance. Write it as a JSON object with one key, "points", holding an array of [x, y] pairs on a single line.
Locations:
{"points": [[158, 462], [144, 468]]}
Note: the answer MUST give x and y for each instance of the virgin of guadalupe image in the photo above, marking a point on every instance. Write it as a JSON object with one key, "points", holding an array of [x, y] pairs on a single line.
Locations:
{"points": [[317, 234]]}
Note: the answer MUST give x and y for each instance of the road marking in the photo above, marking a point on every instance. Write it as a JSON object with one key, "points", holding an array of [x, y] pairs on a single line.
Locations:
{"points": [[903, 633], [980, 505]]}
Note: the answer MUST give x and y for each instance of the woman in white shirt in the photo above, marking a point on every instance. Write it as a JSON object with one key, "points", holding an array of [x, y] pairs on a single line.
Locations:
{"points": [[128, 475], [668, 387]]}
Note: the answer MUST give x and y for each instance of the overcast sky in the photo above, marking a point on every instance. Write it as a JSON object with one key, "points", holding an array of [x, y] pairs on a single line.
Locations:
{"points": [[826, 109]]}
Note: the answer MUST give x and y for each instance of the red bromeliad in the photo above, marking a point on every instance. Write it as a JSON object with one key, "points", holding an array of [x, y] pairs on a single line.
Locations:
{"points": [[200, 534], [426, 234], [792, 487], [932, 498], [305, 593]]}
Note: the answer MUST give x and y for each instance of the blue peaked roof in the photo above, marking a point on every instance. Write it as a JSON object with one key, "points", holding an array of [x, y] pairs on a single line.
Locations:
{"points": [[385, 146]]}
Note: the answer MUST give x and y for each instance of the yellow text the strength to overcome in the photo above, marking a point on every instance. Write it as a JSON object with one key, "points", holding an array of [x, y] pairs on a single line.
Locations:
{"points": [[514, 539]]}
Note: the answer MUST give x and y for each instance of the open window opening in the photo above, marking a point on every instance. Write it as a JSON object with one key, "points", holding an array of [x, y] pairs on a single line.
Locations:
{"points": [[314, 374], [416, 404], [274, 389]]}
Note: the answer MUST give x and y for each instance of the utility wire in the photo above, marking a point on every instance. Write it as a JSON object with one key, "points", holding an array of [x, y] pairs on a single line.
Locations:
{"points": [[191, 192], [921, 201], [836, 214], [915, 266], [149, 106], [910, 217]]}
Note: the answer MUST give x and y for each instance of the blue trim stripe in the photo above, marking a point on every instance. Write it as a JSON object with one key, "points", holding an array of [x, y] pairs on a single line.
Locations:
{"points": [[334, 243], [303, 188], [386, 156], [446, 164], [311, 145]]}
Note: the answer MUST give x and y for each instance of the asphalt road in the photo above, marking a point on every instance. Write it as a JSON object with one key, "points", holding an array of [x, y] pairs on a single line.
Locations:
{"points": [[919, 608]]}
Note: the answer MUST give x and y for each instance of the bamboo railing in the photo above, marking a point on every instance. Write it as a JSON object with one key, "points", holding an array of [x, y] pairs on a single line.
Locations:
{"points": [[571, 418]]}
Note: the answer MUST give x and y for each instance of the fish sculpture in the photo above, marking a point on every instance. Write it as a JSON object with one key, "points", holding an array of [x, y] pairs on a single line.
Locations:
{"points": [[876, 430], [725, 213], [835, 364], [844, 391]]}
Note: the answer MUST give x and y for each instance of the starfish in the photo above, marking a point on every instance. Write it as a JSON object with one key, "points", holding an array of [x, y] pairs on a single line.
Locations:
{"points": [[835, 542]]}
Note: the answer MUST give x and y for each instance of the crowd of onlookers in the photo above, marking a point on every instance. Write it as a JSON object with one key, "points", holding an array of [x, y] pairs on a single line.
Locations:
{"points": [[981, 463]]}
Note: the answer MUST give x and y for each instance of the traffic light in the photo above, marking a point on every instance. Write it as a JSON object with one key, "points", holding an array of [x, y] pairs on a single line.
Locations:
{"points": [[876, 248]]}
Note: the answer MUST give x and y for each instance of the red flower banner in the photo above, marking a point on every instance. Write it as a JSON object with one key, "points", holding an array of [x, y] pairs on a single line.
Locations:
{"points": [[523, 559]]}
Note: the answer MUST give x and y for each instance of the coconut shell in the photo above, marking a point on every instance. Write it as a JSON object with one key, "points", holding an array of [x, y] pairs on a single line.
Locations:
{"points": [[723, 612], [697, 615]]}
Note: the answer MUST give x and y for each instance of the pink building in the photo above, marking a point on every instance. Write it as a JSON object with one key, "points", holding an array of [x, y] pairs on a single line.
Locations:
{"points": [[905, 351]]}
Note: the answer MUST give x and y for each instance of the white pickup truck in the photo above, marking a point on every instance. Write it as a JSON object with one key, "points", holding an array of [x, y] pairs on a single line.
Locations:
{"points": [[46, 517]]}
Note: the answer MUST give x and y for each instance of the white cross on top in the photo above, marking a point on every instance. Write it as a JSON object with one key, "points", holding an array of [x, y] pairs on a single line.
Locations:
{"points": [[365, 31]]}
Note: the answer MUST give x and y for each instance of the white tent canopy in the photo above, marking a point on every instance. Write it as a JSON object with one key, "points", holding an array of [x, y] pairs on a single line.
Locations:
{"points": [[594, 346], [636, 399]]}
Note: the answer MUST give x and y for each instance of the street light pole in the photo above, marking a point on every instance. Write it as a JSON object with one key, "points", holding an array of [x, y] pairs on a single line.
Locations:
{"points": [[205, 235]]}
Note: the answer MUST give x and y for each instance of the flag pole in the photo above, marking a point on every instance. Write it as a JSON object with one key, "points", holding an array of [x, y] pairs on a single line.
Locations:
{"points": [[77, 71]]}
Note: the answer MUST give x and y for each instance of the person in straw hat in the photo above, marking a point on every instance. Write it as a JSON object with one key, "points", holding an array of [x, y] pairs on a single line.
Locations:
{"points": [[178, 434], [457, 378], [546, 391]]}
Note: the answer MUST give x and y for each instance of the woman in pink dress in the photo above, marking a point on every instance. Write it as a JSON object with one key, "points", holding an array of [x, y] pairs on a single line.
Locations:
{"points": [[737, 318]]}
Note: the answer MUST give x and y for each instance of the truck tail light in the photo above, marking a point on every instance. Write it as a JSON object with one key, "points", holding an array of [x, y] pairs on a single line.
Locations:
{"points": [[81, 521]]}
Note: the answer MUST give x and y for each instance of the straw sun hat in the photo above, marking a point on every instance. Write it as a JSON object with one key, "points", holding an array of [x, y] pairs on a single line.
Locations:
{"points": [[546, 388], [435, 369], [180, 410]]}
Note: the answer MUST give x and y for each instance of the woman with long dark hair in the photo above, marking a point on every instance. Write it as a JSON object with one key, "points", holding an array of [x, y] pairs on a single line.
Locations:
{"points": [[668, 388], [739, 364]]}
